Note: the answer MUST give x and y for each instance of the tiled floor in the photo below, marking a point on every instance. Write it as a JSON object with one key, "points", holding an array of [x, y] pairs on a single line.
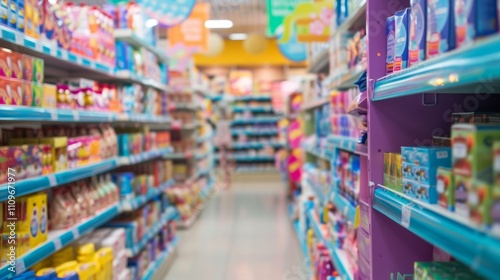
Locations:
{"points": [[243, 234]]}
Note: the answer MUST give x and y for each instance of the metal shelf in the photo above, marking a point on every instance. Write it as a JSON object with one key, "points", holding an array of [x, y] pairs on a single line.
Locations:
{"points": [[255, 120], [255, 97], [254, 132], [129, 36], [40, 183], [473, 246], [131, 77], [348, 144], [314, 104], [241, 109], [58, 239], [459, 71], [163, 258]]}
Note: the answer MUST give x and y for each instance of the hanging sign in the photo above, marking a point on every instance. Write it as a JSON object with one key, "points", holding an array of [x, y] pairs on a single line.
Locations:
{"points": [[168, 12], [192, 33], [277, 10], [311, 21], [292, 50]]}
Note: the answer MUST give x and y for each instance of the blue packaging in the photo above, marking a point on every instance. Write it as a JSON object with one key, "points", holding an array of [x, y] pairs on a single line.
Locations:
{"points": [[124, 183], [474, 18], [401, 19], [121, 50], [4, 12], [418, 31], [440, 27], [390, 32], [13, 13], [20, 15]]}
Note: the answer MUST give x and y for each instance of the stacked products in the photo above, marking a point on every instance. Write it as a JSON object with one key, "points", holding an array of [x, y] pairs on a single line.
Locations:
{"points": [[186, 197], [429, 29], [347, 169]]}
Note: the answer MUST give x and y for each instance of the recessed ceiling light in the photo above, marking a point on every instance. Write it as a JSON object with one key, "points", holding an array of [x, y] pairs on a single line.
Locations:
{"points": [[238, 36], [222, 23]]}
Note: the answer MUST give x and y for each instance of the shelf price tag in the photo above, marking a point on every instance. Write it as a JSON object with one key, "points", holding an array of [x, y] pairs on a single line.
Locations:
{"points": [[53, 115], [406, 215], [76, 233], [57, 244], [20, 267], [76, 115], [52, 180]]}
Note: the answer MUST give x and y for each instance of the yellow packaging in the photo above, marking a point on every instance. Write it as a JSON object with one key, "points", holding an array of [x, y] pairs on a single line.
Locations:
{"points": [[66, 267], [104, 257], [30, 220], [87, 271], [49, 96], [59, 152], [387, 170], [44, 271]]}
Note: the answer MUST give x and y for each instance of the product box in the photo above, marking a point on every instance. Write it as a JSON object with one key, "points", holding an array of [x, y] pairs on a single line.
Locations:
{"points": [[387, 170], [5, 92], [425, 192], [37, 94], [49, 99], [59, 152], [38, 70], [495, 210], [32, 220], [16, 65], [13, 13], [473, 199], [4, 12], [390, 32], [401, 19], [27, 64], [17, 92], [33, 17], [418, 31], [20, 16], [426, 156], [474, 18], [28, 93], [5, 63], [440, 27], [397, 172], [473, 150], [4, 165], [445, 187]]}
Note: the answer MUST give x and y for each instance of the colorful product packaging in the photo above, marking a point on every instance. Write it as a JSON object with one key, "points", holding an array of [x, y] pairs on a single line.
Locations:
{"points": [[16, 65], [418, 31], [473, 200], [4, 12], [5, 92], [17, 92], [495, 210], [28, 94], [13, 13], [38, 70], [20, 16], [49, 99], [445, 188], [473, 150], [37, 94], [440, 27], [5, 63], [58, 152], [496, 163], [390, 32], [387, 170], [401, 19], [474, 18], [33, 18]]}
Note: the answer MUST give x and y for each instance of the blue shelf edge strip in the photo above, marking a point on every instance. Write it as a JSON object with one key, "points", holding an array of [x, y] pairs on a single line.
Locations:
{"points": [[169, 215], [483, 252], [337, 261], [36, 184], [23, 113], [253, 132], [254, 120], [137, 202], [159, 261], [248, 158], [67, 237]]}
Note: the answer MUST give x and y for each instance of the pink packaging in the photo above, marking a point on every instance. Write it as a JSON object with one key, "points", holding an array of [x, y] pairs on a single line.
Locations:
{"points": [[17, 92], [5, 91]]}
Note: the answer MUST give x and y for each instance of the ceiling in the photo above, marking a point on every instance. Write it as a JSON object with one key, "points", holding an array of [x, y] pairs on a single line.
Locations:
{"points": [[248, 16]]}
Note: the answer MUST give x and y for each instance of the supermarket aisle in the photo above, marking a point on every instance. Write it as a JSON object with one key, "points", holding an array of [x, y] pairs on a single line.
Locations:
{"points": [[243, 234]]}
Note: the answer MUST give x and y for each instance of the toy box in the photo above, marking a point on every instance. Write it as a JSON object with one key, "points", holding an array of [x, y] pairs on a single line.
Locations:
{"points": [[418, 29], [474, 18], [401, 19], [390, 32], [426, 156], [473, 150], [425, 192], [440, 27], [37, 94], [49, 99], [445, 188]]}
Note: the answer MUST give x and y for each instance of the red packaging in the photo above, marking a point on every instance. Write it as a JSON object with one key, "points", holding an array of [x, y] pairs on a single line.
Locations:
{"points": [[5, 88], [17, 66], [5, 63], [27, 62], [27, 93], [17, 92]]}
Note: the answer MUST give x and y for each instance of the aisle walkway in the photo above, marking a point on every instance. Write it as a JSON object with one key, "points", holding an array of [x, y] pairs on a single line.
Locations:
{"points": [[243, 234]]}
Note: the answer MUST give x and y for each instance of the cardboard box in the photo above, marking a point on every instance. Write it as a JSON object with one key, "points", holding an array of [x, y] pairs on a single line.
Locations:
{"points": [[16, 65], [390, 33], [440, 27], [5, 92], [474, 18], [37, 94], [17, 92], [49, 96]]}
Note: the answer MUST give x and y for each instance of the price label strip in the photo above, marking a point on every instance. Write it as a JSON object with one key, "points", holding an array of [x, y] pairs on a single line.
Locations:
{"points": [[406, 215]]}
